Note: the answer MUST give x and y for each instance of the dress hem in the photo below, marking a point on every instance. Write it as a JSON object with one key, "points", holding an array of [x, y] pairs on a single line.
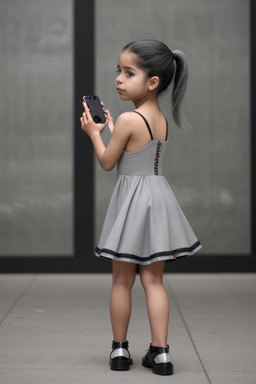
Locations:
{"points": [[160, 256]]}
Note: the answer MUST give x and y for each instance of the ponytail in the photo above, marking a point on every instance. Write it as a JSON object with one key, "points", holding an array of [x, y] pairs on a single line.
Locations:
{"points": [[179, 85]]}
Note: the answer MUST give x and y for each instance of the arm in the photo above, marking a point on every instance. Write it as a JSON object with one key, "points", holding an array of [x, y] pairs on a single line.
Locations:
{"points": [[107, 156]]}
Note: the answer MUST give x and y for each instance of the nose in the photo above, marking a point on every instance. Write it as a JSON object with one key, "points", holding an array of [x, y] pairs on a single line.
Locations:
{"points": [[118, 79]]}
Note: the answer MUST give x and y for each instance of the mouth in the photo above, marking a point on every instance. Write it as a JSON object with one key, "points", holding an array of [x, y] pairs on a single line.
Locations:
{"points": [[119, 89]]}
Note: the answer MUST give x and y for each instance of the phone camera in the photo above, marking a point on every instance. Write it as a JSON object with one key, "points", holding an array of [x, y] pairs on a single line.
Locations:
{"points": [[97, 119]]}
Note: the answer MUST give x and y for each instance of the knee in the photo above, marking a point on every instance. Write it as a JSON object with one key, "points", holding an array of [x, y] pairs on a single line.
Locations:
{"points": [[126, 281], [148, 279]]}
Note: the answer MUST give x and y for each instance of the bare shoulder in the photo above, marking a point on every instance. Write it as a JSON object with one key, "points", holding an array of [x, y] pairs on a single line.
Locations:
{"points": [[127, 118], [129, 121]]}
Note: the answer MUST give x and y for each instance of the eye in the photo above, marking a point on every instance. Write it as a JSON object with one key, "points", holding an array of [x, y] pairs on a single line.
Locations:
{"points": [[118, 70], [129, 74]]}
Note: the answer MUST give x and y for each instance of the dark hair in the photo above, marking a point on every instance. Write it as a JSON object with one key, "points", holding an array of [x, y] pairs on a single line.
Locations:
{"points": [[158, 60]]}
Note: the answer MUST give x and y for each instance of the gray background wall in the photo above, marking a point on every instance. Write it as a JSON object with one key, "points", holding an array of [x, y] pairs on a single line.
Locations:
{"points": [[36, 136], [207, 166]]}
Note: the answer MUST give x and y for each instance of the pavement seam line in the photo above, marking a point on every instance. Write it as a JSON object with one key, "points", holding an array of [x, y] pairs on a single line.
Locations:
{"points": [[188, 331], [18, 299]]}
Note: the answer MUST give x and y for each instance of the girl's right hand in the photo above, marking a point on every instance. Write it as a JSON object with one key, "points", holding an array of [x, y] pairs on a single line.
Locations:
{"points": [[109, 119]]}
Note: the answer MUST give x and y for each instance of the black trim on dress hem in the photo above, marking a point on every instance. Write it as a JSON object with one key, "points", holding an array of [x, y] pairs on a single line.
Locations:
{"points": [[176, 252]]}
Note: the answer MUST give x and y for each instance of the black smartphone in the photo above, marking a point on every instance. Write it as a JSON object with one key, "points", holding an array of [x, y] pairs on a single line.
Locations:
{"points": [[96, 109]]}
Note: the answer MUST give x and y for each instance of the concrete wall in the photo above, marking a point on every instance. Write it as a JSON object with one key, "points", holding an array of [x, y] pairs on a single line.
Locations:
{"points": [[207, 166], [36, 135]]}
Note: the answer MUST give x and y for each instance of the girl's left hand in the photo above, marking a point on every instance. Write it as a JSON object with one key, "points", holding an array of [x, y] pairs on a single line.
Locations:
{"points": [[89, 126]]}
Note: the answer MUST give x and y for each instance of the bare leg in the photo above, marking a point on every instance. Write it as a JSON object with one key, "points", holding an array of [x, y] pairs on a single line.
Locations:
{"points": [[124, 275], [157, 301]]}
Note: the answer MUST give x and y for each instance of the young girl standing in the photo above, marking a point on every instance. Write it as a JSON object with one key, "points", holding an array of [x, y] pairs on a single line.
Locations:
{"points": [[144, 223]]}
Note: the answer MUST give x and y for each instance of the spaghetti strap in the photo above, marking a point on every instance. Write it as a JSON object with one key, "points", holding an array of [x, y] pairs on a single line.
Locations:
{"points": [[166, 130], [147, 124]]}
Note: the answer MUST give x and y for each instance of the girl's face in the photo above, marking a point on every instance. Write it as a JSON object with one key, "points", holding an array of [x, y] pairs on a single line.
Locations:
{"points": [[132, 81]]}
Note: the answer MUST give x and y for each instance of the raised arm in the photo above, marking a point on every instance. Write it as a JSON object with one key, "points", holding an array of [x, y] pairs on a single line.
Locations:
{"points": [[107, 156]]}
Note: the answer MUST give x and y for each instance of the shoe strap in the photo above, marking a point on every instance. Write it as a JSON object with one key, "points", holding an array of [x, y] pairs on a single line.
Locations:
{"points": [[157, 350], [120, 344]]}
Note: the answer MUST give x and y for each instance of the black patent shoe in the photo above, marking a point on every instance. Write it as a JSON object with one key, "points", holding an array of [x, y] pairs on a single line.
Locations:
{"points": [[120, 358], [158, 358]]}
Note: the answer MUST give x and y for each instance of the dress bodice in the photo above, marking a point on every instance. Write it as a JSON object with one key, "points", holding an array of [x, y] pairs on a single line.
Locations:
{"points": [[147, 161]]}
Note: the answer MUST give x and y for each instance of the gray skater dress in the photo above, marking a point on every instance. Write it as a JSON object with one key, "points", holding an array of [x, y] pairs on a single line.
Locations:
{"points": [[144, 222]]}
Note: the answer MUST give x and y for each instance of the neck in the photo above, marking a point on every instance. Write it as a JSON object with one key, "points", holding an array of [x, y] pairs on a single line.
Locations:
{"points": [[150, 99]]}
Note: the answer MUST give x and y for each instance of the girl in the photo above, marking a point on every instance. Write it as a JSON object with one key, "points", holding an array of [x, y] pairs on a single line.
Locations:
{"points": [[144, 224]]}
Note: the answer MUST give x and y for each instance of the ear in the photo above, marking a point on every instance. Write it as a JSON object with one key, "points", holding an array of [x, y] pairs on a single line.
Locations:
{"points": [[153, 83]]}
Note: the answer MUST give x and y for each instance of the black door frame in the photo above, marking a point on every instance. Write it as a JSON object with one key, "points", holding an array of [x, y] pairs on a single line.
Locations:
{"points": [[83, 260]]}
